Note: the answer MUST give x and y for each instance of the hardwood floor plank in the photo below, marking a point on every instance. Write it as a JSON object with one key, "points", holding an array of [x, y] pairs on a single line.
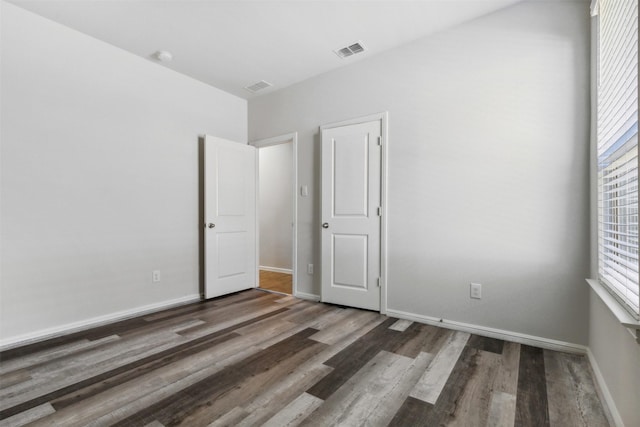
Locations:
{"points": [[308, 312], [295, 412], [413, 412], [230, 318], [343, 326], [87, 382], [486, 344], [84, 387], [278, 282], [119, 402], [250, 387], [435, 377], [58, 378], [184, 374], [401, 325], [353, 404], [507, 378], [389, 378], [428, 339], [571, 393], [139, 368], [52, 354], [531, 403], [14, 377], [355, 356], [444, 408], [231, 418], [473, 406], [174, 410], [275, 398], [29, 416], [502, 411]]}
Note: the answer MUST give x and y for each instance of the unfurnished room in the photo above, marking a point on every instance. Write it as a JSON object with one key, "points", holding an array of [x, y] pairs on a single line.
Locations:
{"points": [[319, 213]]}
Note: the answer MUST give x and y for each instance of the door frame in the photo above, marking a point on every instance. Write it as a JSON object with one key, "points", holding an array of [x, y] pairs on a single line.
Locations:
{"points": [[383, 118], [268, 142]]}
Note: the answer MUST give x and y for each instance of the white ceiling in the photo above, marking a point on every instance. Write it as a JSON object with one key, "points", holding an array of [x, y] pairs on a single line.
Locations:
{"points": [[232, 44]]}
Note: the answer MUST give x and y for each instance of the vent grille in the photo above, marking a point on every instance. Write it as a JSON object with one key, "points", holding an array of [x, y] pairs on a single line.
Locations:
{"points": [[352, 49], [258, 86]]}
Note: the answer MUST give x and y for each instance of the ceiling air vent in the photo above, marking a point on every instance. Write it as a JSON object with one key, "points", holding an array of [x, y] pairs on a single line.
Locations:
{"points": [[256, 87], [352, 49]]}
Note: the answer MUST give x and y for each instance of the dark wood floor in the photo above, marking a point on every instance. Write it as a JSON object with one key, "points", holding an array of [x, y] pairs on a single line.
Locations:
{"points": [[278, 282], [257, 358]]}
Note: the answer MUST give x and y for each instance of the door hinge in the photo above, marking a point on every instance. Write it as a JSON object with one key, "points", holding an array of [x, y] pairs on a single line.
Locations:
{"points": [[379, 210], [380, 141], [378, 281]]}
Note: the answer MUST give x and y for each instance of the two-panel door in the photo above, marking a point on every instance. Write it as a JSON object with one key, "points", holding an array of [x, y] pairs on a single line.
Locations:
{"points": [[230, 216], [351, 209]]}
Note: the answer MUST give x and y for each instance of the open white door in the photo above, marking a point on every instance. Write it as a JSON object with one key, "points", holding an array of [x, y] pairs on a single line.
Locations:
{"points": [[230, 216], [351, 208]]}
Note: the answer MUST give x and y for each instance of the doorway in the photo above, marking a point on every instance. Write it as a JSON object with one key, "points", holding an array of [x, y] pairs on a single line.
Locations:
{"points": [[276, 219]]}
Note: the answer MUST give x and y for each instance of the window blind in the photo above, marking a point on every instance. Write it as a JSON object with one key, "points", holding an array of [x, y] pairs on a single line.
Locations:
{"points": [[617, 149]]}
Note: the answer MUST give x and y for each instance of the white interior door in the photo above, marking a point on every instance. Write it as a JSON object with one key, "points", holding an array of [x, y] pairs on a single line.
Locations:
{"points": [[351, 207], [230, 216]]}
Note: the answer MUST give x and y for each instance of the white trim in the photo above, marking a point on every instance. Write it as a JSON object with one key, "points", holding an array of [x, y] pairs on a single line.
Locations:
{"points": [[271, 291], [267, 142], [604, 390], [531, 340], [383, 117], [69, 328], [276, 269], [355, 121], [310, 297], [623, 316]]}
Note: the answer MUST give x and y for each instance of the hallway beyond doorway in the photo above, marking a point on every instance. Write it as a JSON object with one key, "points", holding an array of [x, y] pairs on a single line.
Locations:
{"points": [[277, 282]]}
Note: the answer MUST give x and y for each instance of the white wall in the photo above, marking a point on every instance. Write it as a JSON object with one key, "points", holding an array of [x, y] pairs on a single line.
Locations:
{"points": [[488, 166], [616, 355], [99, 176], [276, 206]]}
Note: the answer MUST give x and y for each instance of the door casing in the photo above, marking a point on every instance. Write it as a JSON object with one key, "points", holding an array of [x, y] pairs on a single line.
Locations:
{"points": [[383, 117]]}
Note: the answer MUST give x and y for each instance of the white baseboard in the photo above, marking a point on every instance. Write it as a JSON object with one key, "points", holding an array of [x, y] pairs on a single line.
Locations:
{"points": [[604, 390], [69, 328], [491, 332], [310, 297], [276, 269]]}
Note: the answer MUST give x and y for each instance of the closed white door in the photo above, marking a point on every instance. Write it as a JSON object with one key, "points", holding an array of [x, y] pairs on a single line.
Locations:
{"points": [[351, 207], [230, 216]]}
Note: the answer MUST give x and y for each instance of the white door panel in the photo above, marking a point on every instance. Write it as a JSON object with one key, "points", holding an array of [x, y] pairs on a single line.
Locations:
{"points": [[230, 216], [350, 157], [350, 260], [351, 196]]}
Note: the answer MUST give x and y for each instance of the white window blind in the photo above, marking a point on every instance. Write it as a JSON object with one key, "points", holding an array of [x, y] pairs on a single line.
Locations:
{"points": [[617, 149]]}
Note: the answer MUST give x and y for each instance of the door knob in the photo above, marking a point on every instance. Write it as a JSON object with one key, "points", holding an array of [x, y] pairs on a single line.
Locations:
{"points": [[211, 225], [325, 225]]}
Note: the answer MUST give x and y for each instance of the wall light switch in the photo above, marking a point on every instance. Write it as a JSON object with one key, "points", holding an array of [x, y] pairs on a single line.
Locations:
{"points": [[304, 191], [155, 276], [476, 290]]}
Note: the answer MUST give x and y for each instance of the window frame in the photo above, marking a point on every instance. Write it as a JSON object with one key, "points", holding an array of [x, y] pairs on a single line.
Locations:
{"points": [[603, 283]]}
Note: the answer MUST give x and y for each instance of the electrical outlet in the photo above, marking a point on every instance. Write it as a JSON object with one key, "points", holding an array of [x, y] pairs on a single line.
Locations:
{"points": [[310, 269], [155, 276], [476, 290]]}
